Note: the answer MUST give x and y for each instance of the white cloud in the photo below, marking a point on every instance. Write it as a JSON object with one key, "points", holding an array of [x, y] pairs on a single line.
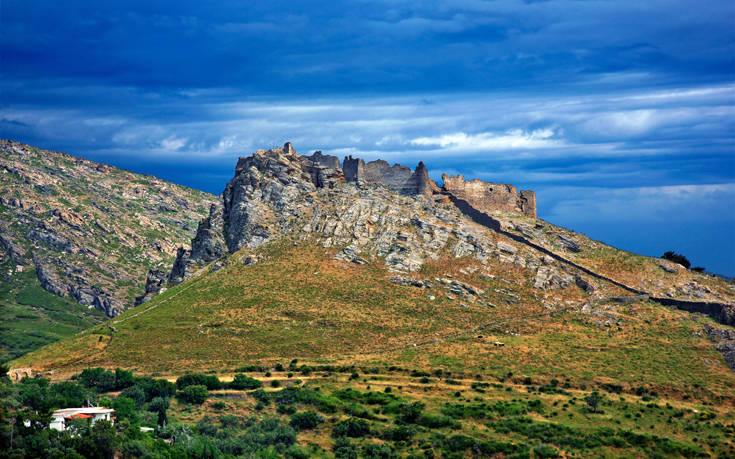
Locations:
{"points": [[173, 143], [509, 140], [693, 203]]}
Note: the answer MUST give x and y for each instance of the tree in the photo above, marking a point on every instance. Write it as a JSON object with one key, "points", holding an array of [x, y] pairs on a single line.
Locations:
{"points": [[159, 405], [193, 394], [593, 400], [306, 420], [676, 258], [410, 412], [243, 382], [101, 441], [123, 378], [135, 393], [125, 408]]}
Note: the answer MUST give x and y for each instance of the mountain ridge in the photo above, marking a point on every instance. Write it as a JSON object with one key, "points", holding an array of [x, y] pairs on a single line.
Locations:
{"points": [[238, 220], [474, 267], [84, 231]]}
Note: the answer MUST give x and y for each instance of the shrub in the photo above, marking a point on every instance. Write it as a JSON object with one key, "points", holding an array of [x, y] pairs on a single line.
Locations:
{"points": [[306, 420], [285, 409], [135, 393], [433, 421], [343, 449], [294, 452], [398, 433], [545, 451], [410, 412], [613, 388], [229, 420], [243, 382], [193, 394], [197, 379], [377, 451], [219, 405], [351, 427], [676, 258]]}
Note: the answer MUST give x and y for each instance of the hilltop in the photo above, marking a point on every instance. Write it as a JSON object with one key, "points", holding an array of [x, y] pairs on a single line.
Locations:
{"points": [[302, 259], [454, 297], [77, 239]]}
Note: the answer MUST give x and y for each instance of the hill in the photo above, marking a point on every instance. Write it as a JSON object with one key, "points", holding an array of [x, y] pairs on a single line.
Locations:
{"points": [[85, 232], [393, 276]]}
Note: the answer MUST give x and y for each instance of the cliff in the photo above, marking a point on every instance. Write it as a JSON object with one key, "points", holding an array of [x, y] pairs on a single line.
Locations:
{"points": [[277, 192]]}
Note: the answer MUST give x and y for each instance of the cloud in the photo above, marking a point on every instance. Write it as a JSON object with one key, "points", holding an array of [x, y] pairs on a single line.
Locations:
{"points": [[173, 143], [689, 203], [510, 140]]}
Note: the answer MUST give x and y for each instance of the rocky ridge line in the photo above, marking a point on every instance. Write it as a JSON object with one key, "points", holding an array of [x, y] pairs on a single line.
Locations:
{"points": [[90, 231]]}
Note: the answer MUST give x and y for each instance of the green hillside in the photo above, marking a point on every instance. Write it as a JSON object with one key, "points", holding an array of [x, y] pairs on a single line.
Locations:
{"points": [[300, 303], [33, 317], [77, 239], [654, 369]]}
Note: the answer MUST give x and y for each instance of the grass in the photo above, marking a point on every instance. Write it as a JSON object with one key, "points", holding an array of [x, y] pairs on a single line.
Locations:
{"points": [[66, 196], [300, 303], [508, 417], [33, 317]]}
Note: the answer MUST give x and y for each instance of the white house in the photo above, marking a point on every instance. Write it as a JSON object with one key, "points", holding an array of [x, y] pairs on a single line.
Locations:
{"points": [[94, 413]]}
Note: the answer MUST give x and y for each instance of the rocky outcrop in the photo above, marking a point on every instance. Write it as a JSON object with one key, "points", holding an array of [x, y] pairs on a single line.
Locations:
{"points": [[91, 230], [154, 283], [490, 197], [366, 211]]}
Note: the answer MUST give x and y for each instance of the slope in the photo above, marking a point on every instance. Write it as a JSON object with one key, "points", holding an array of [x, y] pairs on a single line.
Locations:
{"points": [[83, 231], [297, 265]]}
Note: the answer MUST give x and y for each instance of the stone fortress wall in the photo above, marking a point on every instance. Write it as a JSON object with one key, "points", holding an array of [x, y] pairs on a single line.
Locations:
{"points": [[484, 196], [489, 197]]}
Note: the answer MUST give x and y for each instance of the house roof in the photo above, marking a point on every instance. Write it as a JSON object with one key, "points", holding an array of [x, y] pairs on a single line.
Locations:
{"points": [[90, 410]]}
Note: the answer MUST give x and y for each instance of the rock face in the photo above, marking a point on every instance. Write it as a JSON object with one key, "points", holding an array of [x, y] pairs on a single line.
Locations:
{"points": [[491, 197], [154, 282], [373, 209], [89, 230]]}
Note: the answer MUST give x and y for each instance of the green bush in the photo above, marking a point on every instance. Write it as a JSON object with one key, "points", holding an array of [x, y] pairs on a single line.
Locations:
{"points": [[398, 433], [244, 382], [198, 379], [377, 451], [193, 394], [545, 451], [410, 412], [352, 427], [306, 420]]}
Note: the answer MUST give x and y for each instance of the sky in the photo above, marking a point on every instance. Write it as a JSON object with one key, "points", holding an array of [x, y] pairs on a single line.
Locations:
{"points": [[619, 114]]}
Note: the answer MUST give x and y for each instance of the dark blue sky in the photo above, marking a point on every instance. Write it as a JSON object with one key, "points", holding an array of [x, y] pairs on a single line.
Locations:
{"points": [[619, 114]]}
